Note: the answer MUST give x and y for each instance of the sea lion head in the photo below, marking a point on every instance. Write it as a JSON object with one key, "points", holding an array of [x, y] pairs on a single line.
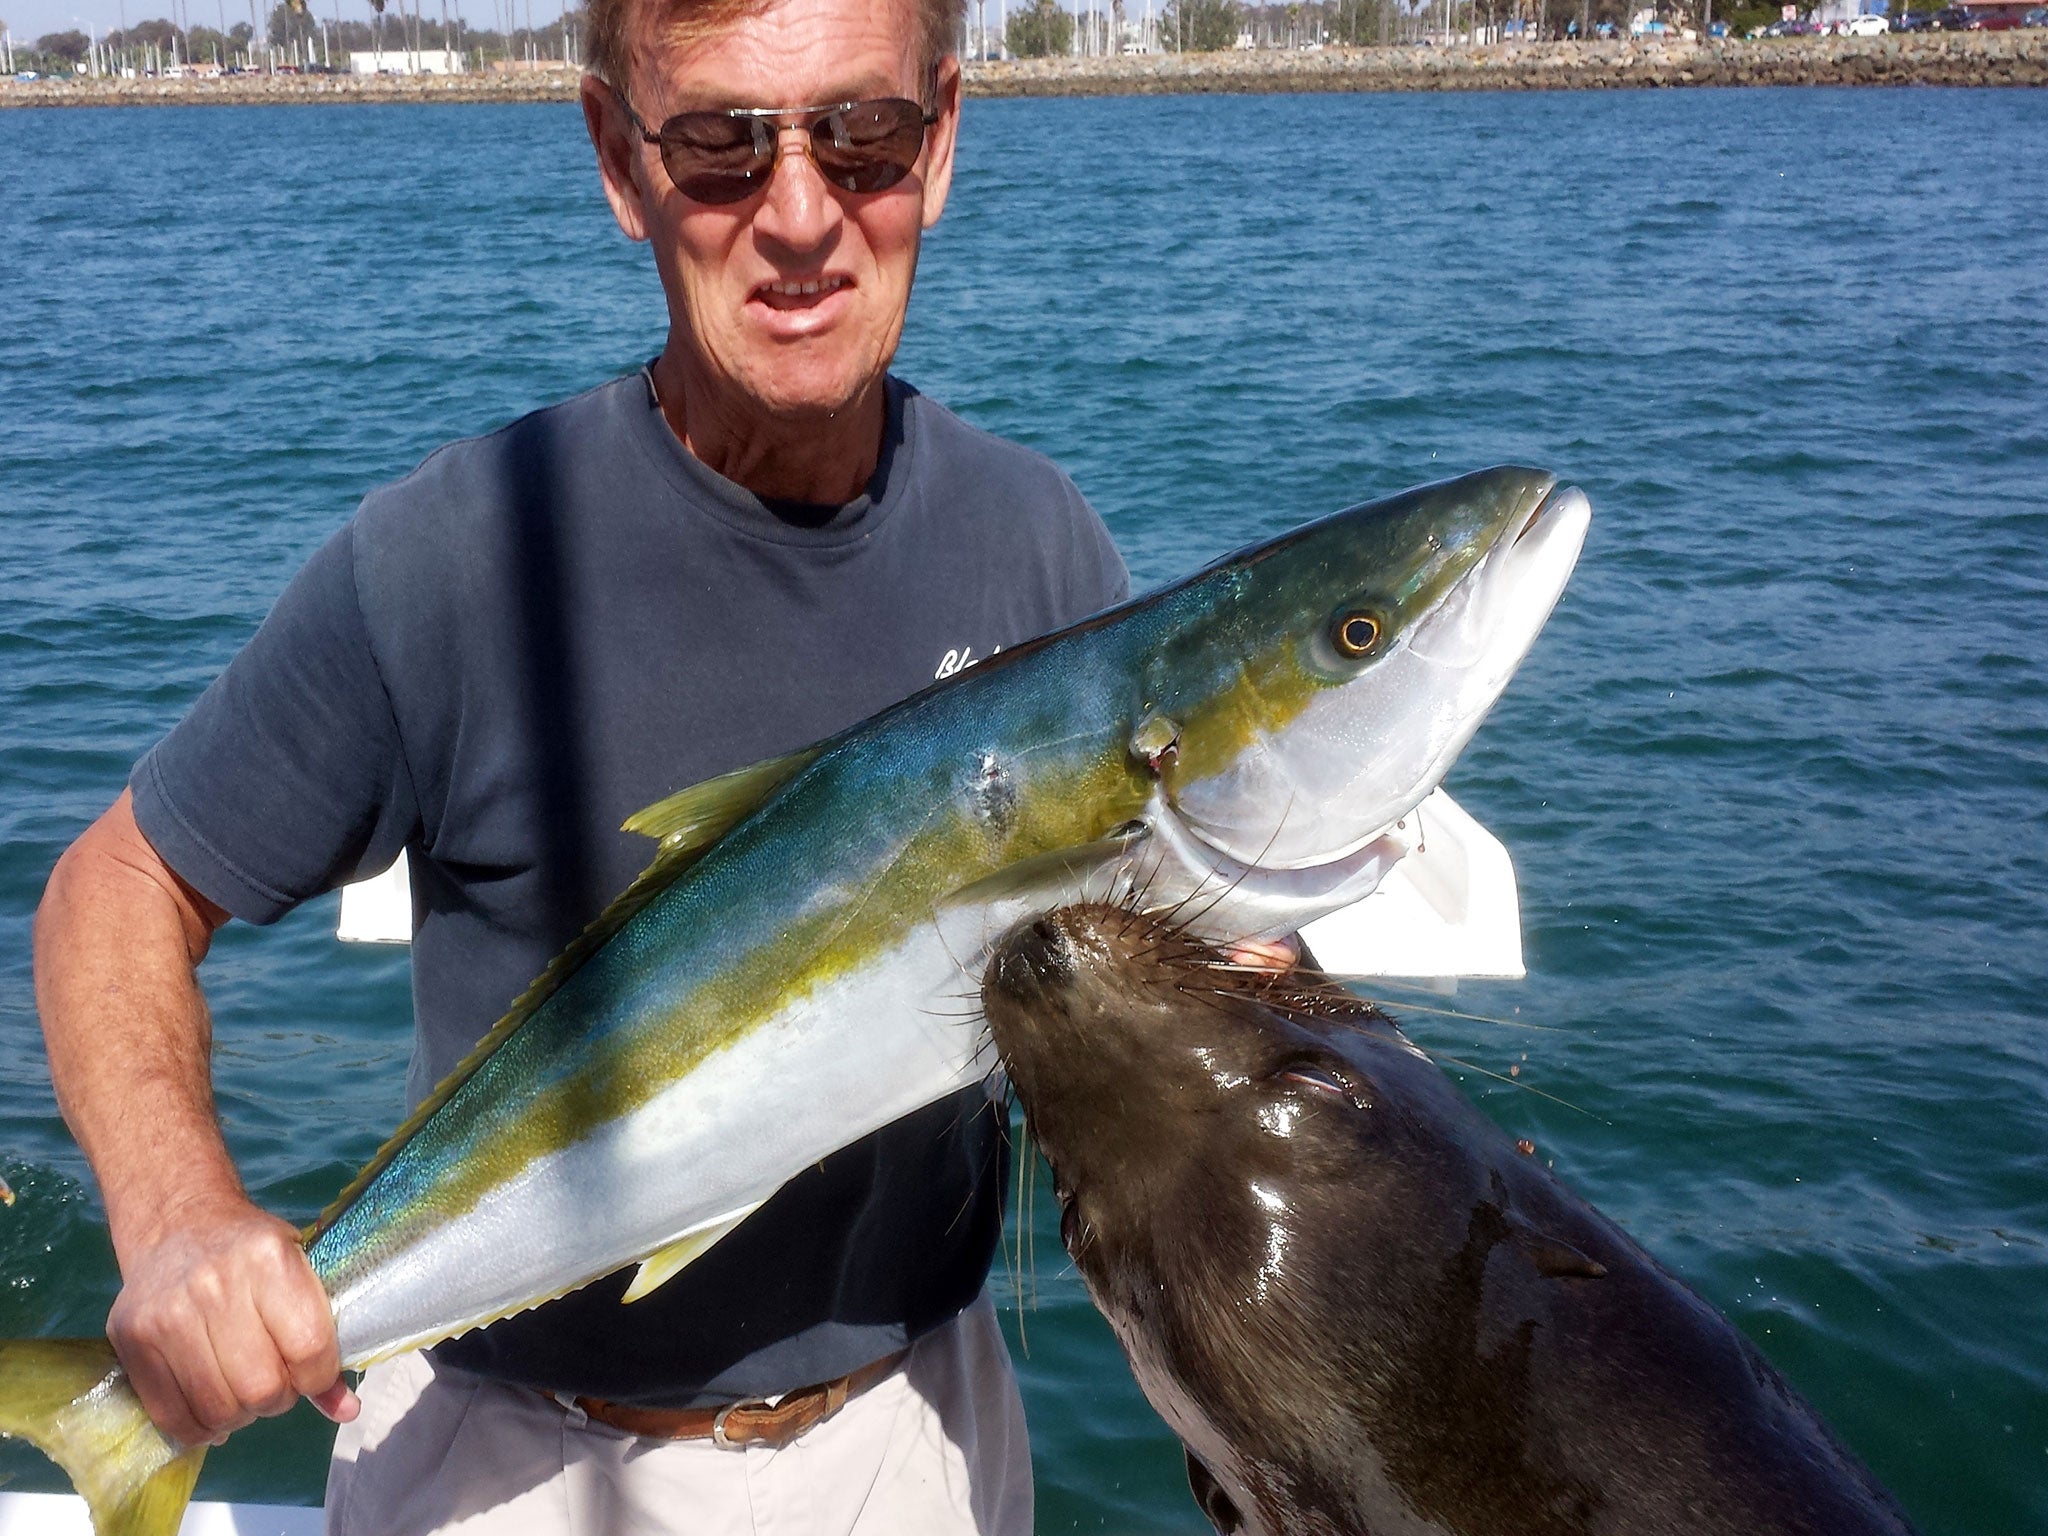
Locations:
{"points": [[1139, 1051], [1218, 1138]]}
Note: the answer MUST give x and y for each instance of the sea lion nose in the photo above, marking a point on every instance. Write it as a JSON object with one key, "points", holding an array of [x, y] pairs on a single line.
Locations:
{"points": [[1035, 954]]}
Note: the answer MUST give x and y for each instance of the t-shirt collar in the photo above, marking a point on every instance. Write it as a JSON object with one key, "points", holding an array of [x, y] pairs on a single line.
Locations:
{"points": [[739, 508]]}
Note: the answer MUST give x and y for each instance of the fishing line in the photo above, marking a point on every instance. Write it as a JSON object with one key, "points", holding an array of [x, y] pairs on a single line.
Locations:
{"points": [[1515, 1082]]}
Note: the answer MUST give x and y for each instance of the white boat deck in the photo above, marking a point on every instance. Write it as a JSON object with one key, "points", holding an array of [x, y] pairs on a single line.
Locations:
{"points": [[61, 1514]]}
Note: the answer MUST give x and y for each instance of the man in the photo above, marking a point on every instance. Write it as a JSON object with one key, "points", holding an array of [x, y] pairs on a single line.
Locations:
{"points": [[756, 541]]}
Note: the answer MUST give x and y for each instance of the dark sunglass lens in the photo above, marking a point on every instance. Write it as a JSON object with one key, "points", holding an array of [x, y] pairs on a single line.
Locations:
{"points": [[717, 189], [711, 132], [870, 146], [715, 157]]}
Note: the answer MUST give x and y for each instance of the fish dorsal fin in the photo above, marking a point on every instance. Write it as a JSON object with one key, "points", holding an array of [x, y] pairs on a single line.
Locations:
{"points": [[671, 861], [664, 1264], [699, 816]]}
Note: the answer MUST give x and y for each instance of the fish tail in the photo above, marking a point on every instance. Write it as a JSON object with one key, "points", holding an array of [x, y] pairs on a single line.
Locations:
{"points": [[71, 1400]]}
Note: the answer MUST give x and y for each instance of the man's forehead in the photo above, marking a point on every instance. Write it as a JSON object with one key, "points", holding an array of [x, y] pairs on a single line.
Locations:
{"points": [[784, 53]]}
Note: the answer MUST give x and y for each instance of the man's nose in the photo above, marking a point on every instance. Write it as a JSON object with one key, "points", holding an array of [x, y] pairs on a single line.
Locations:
{"points": [[798, 210]]}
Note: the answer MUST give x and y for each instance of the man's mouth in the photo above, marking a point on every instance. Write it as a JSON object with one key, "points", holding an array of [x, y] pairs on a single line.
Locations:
{"points": [[801, 293]]}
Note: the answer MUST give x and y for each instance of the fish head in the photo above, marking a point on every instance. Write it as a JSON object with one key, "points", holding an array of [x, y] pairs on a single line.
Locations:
{"points": [[1334, 674]]}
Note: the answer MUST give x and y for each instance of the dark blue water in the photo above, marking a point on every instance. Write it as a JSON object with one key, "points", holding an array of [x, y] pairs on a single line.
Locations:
{"points": [[1776, 777]]}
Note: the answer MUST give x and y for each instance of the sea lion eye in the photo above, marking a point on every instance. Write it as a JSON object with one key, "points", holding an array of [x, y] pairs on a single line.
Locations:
{"points": [[1355, 634], [1329, 1081], [1317, 1078]]}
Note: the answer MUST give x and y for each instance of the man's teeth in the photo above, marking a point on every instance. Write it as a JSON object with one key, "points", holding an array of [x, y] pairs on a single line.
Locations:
{"points": [[806, 289]]}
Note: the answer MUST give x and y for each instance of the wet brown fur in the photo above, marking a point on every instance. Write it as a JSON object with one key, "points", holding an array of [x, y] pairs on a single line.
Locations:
{"points": [[1360, 1307]]}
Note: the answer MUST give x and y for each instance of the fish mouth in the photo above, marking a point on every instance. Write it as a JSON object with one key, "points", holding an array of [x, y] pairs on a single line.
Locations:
{"points": [[1330, 787], [1180, 868]]}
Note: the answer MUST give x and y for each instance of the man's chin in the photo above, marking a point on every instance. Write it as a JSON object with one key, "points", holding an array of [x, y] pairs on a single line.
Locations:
{"points": [[811, 399]]}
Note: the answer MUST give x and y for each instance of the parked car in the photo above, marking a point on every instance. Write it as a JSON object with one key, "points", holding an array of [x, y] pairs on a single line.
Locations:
{"points": [[1912, 21], [2037, 17], [1862, 26], [1993, 21], [1951, 18]]}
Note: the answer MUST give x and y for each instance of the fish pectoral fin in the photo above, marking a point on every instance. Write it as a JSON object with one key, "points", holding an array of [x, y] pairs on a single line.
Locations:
{"points": [[699, 816], [1059, 871], [664, 1264]]}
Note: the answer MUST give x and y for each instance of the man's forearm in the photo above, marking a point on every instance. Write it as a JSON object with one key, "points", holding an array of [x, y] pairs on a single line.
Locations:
{"points": [[129, 1038], [220, 1317]]}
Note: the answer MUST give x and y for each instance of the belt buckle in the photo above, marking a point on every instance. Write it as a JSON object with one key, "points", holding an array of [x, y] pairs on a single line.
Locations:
{"points": [[718, 1435]]}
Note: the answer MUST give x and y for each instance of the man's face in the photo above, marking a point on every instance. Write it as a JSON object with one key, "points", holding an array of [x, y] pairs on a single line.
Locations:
{"points": [[791, 301]]}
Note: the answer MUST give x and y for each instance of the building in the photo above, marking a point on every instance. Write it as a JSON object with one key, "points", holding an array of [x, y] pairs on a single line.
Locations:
{"points": [[406, 61]]}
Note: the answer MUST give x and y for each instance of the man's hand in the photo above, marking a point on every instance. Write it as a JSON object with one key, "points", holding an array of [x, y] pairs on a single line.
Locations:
{"points": [[221, 1318], [222, 1321]]}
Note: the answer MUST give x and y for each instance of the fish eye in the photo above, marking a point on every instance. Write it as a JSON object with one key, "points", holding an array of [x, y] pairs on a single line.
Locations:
{"points": [[1355, 634]]}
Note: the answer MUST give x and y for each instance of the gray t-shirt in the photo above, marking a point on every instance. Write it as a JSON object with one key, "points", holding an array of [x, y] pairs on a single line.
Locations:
{"points": [[535, 634]]}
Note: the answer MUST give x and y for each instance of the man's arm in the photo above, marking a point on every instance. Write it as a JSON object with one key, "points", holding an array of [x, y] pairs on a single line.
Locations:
{"points": [[220, 1318]]}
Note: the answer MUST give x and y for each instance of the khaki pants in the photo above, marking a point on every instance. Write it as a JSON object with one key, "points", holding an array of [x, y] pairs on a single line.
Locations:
{"points": [[935, 1449]]}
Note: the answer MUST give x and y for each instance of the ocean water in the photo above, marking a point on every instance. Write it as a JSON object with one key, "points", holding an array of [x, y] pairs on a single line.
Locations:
{"points": [[1776, 777]]}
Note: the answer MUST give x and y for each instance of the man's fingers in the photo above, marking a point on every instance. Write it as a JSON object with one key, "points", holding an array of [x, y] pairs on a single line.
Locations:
{"points": [[221, 1321], [162, 1398], [338, 1403], [301, 1323], [250, 1363], [190, 1358], [164, 1346]]}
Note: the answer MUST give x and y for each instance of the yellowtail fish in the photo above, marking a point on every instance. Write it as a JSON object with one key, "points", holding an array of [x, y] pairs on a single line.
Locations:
{"points": [[784, 977]]}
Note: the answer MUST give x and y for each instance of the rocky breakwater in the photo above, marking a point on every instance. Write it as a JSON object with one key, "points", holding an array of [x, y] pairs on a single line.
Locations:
{"points": [[1951, 58], [557, 84]]}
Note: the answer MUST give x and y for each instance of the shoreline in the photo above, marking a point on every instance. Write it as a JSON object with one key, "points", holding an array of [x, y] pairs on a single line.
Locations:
{"points": [[1950, 58]]}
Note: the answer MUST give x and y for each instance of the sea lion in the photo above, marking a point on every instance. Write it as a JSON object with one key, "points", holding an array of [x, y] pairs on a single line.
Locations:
{"points": [[1359, 1305]]}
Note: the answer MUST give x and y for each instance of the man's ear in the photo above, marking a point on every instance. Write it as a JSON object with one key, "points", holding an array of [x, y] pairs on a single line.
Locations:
{"points": [[617, 144], [939, 142]]}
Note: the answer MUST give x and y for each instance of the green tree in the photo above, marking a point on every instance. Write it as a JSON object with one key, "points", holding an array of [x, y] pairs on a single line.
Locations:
{"points": [[71, 46], [1039, 31], [1200, 26]]}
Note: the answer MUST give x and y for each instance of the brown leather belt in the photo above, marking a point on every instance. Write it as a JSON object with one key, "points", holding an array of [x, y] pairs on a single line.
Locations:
{"points": [[754, 1422]]}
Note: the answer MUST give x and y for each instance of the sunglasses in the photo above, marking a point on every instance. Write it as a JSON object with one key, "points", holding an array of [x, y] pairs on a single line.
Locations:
{"points": [[725, 157]]}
